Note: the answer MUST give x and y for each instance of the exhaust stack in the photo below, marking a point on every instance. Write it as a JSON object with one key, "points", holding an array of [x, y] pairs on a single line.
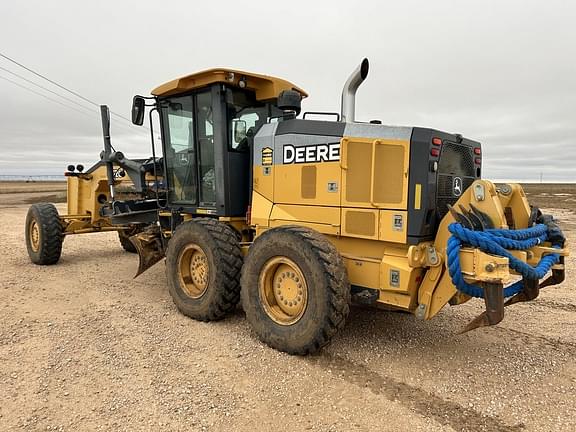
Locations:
{"points": [[348, 109]]}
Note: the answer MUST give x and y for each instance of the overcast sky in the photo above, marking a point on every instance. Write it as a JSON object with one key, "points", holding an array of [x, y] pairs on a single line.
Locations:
{"points": [[501, 72]]}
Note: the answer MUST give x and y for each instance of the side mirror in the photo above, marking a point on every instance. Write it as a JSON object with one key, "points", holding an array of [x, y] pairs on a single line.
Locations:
{"points": [[239, 130], [138, 110]]}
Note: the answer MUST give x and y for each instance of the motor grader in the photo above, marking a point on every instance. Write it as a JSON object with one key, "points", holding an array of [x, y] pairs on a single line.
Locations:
{"points": [[297, 218], [115, 194]]}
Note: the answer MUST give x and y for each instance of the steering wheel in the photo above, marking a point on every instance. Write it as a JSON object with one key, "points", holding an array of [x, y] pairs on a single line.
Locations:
{"points": [[182, 158]]}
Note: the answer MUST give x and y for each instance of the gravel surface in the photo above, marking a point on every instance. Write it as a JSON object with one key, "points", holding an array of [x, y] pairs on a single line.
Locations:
{"points": [[84, 346]]}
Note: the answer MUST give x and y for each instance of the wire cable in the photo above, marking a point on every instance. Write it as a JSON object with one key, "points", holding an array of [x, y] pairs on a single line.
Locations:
{"points": [[88, 114], [46, 89], [64, 88], [46, 97]]}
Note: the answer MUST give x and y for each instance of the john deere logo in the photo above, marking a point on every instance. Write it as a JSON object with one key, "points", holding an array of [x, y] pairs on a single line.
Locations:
{"points": [[267, 158], [457, 186], [311, 153]]}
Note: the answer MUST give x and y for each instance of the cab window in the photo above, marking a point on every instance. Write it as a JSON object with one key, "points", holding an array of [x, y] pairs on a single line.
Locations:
{"points": [[180, 150], [206, 144]]}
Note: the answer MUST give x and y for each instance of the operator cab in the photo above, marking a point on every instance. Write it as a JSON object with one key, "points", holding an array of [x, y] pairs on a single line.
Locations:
{"points": [[207, 120]]}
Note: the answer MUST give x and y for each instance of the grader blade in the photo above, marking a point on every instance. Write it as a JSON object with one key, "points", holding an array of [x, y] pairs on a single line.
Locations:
{"points": [[149, 247]]}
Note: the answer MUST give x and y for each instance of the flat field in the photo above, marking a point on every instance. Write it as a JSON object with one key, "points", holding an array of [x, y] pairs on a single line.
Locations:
{"points": [[84, 346]]}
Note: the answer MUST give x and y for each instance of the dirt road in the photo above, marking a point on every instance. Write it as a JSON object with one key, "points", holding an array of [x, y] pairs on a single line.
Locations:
{"points": [[83, 347]]}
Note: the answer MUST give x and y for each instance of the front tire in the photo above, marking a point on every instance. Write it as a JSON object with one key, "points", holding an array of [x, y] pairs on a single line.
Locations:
{"points": [[203, 263], [44, 234], [295, 289]]}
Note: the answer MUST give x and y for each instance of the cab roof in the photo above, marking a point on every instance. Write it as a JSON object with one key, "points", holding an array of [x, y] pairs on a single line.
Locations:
{"points": [[265, 87]]}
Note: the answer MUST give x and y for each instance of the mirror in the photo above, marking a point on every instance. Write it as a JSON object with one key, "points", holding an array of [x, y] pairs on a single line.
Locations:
{"points": [[138, 110], [239, 130]]}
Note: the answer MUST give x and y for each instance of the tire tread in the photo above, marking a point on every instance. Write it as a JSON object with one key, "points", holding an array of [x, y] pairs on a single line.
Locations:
{"points": [[228, 256], [52, 238], [333, 269]]}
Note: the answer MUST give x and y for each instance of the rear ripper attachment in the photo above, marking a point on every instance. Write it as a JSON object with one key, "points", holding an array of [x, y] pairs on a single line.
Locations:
{"points": [[483, 255]]}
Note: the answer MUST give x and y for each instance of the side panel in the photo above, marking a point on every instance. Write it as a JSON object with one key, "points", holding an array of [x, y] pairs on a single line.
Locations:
{"points": [[375, 173], [299, 178], [352, 189]]}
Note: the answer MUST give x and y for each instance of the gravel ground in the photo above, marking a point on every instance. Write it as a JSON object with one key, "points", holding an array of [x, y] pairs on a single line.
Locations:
{"points": [[84, 346]]}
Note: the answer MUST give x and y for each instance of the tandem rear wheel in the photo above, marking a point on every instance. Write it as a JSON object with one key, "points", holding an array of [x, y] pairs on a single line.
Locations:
{"points": [[44, 234], [295, 289]]}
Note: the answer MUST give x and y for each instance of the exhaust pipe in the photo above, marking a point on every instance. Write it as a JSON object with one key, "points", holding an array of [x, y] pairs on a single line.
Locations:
{"points": [[348, 108]]}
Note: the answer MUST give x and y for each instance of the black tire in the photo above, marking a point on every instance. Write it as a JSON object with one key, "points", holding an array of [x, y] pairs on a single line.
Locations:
{"points": [[328, 292], [223, 255], [124, 237], [44, 234]]}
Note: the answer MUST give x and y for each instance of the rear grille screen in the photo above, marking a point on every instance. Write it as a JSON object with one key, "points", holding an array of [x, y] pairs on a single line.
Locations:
{"points": [[455, 161]]}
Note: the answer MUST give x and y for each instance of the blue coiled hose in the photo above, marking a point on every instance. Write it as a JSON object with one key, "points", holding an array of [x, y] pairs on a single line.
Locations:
{"points": [[496, 242]]}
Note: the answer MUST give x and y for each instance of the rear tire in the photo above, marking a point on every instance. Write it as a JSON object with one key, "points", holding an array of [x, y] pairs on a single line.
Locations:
{"points": [[203, 264], [287, 313], [44, 234]]}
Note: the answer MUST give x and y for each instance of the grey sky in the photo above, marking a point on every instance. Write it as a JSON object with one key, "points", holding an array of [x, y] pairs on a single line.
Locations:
{"points": [[501, 72]]}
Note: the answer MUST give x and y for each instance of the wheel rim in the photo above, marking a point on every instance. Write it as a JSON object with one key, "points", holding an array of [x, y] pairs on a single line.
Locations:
{"points": [[283, 290], [34, 235], [194, 271]]}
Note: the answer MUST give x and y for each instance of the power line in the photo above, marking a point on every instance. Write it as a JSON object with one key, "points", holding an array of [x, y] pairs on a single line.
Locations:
{"points": [[87, 114], [64, 88], [44, 96], [46, 89]]}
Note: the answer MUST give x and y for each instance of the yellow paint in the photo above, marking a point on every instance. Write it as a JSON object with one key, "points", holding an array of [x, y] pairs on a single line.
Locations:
{"points": [[321, 228], [260, 210], [360, 223], [87, 193], [303, 213], [288, 184], [375, 173], [392, 227], [265, 87], [417, 196], [83, 192], [396, 300], [263, 180], [362, 272], [283, 290]]}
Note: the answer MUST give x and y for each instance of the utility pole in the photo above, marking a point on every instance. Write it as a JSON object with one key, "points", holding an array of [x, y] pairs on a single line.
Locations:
{"points": [[541, 176]]}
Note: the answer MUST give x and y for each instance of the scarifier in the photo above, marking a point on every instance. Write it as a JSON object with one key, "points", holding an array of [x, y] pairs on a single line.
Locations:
{"points": [[299, 217]]}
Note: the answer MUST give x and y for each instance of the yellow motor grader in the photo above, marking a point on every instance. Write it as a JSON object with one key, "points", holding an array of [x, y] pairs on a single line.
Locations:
{"points": [[116, 194], [299, 217]]}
